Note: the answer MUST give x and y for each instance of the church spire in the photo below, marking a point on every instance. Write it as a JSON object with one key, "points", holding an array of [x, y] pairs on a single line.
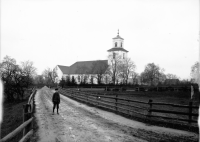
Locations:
{"points": [[118, 32]]}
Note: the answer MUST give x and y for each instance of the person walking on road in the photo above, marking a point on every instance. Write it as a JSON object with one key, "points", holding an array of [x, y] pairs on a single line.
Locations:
{"points": [[56, 100]]}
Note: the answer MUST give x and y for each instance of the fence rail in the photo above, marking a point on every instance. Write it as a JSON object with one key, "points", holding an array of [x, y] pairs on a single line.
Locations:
{"points": [[124, 105], [27, 124]]}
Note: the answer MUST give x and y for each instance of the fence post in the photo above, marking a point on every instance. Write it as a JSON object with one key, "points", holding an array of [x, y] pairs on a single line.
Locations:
{"points": [[32, 113], [150, 107], [87, 98], [97, 100], [190, 112], [26, 116], [25, 110], [116, 99], [129, 108]]}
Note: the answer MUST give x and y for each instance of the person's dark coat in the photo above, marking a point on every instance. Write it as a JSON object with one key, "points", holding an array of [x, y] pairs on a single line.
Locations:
{"points": [[56, 97]]}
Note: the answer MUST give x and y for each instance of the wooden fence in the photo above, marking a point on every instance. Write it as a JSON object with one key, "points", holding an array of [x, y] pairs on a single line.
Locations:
{"points": [[126, 105], [27, 125]]}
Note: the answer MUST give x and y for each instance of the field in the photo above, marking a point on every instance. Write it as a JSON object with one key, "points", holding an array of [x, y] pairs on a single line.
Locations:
{"points": [[182, 98], [167, 97], [12, 117]]}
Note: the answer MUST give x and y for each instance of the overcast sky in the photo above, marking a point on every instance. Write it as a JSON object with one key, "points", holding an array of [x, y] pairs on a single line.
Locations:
{"points": [[51, 33]]}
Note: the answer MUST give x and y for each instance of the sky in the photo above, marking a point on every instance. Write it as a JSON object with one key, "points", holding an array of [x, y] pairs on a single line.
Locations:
{"points": [[62, 32]]}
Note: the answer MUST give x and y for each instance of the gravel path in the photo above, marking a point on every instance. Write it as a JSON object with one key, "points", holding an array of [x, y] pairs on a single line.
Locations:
{"points": [[80, 123]]}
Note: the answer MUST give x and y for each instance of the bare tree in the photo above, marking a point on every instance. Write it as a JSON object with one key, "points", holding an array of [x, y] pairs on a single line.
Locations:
{"points": [[162, 77], [39, 80], [29, 71], [49, 77], [99, 69], [151, 74], [7, 66], [114, 67], [134, 77], [7, 70], [126, 67]]}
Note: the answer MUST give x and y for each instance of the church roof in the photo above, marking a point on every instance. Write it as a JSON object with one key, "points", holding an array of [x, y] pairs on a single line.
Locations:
{"points": [[82, 67], [118, 37], [117, 49], [64, 69]]}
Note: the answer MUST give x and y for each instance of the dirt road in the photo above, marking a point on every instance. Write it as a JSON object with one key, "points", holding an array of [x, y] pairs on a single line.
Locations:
{"points": [[80, 123]]}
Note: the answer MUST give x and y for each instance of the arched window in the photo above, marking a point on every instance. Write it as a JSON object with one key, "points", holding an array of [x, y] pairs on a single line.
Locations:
{"points": [[123, 55], [115, 44], [121, 44]]}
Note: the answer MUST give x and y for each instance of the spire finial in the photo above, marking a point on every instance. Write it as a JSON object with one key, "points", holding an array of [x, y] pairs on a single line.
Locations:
{"points": [[118, 32]]}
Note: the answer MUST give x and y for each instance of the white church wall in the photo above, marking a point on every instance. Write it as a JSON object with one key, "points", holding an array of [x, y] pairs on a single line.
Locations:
{"points": [[120, 53], [76, 76]]}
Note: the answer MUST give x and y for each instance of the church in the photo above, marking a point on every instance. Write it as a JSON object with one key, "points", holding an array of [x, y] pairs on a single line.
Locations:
{"points": [[91, 71]]}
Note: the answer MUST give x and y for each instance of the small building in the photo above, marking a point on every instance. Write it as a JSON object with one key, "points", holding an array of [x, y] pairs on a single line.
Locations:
{"points": [[171, 82]]}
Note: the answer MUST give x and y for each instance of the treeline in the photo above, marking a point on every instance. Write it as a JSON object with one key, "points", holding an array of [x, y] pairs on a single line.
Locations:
{"points": [[183, 85], [19, 77]]}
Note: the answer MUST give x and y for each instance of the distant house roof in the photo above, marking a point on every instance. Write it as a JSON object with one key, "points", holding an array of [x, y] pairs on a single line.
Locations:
{"points": [[117, 49], [171, 81], [81, 67], [64, 69], [118, 37]]}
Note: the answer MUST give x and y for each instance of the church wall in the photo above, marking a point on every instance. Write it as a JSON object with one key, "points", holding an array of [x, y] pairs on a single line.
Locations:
{"points": [[82, 77], [64, 76], [120, 53], [95, 81]]}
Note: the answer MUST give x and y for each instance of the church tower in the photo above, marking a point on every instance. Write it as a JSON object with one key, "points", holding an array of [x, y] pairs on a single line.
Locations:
{"points": [[117, 49]]}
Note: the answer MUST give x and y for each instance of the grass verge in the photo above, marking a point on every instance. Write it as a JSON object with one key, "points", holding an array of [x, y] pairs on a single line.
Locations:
{"points": [[12, 118]]}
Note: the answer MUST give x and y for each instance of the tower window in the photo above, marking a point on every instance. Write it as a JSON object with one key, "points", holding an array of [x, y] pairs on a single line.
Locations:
{"points": [[123, 55], [113, 55], [115, 44], [121, 44]]}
